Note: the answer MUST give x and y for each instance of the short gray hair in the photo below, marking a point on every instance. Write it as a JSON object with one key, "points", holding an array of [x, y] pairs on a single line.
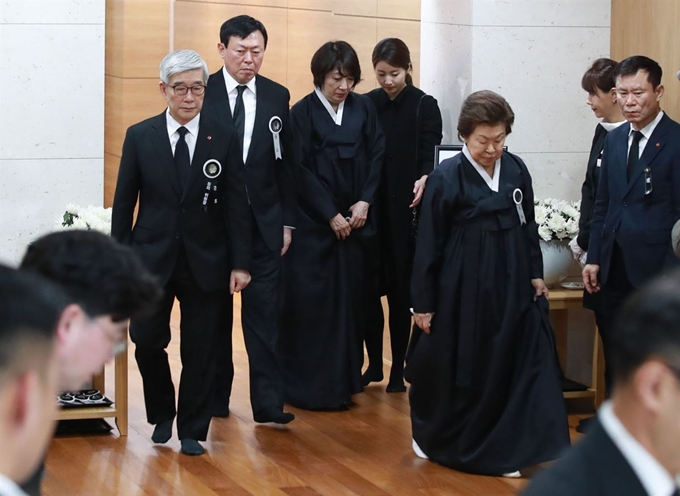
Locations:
{"points": [[181, 61]]}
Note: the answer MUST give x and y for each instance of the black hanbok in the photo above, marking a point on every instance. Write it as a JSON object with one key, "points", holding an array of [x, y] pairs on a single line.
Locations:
{"points": [[485, 393], [321, 339]]}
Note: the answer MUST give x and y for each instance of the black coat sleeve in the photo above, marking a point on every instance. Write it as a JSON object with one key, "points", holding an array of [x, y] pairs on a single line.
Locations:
{"points": [[285, 174], [312, 193], [435, 209], [531, 227], [429, 134], [375, 149], [127, 190], [237, 211]]}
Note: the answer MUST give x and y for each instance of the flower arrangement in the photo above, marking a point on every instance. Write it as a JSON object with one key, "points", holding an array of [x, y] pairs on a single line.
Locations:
{"points": [[90, 218], [557, 219]]}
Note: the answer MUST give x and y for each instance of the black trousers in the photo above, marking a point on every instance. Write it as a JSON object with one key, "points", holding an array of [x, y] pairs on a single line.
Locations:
{"points": [[614, 293], [203, 316], [261, 321], [398, 301]]}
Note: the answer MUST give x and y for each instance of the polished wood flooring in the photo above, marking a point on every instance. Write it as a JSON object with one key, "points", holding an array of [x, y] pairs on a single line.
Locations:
{"points": [[364, 451]]}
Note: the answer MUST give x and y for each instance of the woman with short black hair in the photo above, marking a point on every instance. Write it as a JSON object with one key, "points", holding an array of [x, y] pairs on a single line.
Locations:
{"points": [[339, 149]]}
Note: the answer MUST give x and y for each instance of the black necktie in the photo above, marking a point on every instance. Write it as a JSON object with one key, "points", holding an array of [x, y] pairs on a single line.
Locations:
{"points": [[240, 113], [182, 159], [634, 153]]}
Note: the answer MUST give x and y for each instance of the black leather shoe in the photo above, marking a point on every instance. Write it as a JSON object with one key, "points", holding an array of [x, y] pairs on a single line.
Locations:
{"points": [[371, 375], [162, 432], [274, 416], [191, 447], [396, 387]]}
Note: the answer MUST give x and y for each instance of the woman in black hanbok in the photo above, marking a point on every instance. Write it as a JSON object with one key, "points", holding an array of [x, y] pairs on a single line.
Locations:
{"points": [[412, 124], [339, 148], [485, 394]]}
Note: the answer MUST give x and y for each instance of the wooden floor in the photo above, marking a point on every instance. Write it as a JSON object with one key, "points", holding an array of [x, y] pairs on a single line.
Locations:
{"points": [[365, 451]]}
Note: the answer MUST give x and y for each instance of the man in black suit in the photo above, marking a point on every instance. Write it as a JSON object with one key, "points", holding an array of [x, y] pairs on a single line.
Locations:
{"points": [[193, 232], [638, 198], [633, 447], [256, 109]]}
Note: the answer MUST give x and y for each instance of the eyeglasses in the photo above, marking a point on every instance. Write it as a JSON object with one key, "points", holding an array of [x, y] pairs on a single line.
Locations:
{"points": [[181, 90], [118, 340]]}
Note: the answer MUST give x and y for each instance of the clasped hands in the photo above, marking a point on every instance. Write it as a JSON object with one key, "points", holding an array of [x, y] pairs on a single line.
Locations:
{"points": [[342, 228]]}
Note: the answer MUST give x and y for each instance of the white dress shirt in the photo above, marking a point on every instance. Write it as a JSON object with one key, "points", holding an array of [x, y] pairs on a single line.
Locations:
{"points": [[190, 137], [492, 182], [9, 488], [249, 106], [646, 133], [336, 116], [653, 477]]}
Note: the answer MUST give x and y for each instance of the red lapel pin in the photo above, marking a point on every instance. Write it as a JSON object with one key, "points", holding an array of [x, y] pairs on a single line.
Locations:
{"points": [[210, 137], [658, 144]]}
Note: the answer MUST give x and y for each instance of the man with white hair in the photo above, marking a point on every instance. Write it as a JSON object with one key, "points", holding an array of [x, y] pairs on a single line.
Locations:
{"points": [[193, 232]]}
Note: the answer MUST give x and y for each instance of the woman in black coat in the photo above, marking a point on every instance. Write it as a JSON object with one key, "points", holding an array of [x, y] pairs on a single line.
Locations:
{"points": [[412, 124], [600, 84]]}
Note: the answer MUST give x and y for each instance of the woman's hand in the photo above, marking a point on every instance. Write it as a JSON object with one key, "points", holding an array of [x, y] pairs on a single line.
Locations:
{"points": [[541, 288], [340, 226], [418, 190], [359, 214], [423, 320]]}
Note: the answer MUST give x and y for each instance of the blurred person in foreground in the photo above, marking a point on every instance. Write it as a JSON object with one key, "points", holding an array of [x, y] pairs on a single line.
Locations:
{"points": [[29, 373], [634, 446]]}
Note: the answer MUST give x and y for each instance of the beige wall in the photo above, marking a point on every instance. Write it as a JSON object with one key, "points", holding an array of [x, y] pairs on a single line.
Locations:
{"points": [[650, 28], [139, 32]]}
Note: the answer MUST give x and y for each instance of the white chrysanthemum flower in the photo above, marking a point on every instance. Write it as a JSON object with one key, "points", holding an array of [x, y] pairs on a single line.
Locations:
{"points": [[570, 211], [544, 232], [539, 214]]}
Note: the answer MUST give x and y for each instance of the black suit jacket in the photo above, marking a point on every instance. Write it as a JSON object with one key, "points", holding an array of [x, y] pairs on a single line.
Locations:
{"points": [[589, 188], [215, 239], [639, 223], [593, 467], [269, 182]]}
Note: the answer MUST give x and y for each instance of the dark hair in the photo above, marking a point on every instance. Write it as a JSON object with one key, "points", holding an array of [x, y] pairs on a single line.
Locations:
{"points": [[647, 327], [29, 313], [241, 26], [600, 76], [335, 55], [631, 66], [484, 107], [96, 272], [394, 52]]}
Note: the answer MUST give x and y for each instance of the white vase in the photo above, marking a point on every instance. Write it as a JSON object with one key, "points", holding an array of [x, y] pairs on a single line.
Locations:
{"points": [[557, 261]]}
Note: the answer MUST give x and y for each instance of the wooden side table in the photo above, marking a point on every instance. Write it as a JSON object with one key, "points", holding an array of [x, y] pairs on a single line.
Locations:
{"points": [[561, 301], [119, 409]]}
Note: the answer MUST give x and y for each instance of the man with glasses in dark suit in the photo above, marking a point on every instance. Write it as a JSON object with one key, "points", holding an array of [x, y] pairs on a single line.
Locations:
{"points": [[192, 231]]}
